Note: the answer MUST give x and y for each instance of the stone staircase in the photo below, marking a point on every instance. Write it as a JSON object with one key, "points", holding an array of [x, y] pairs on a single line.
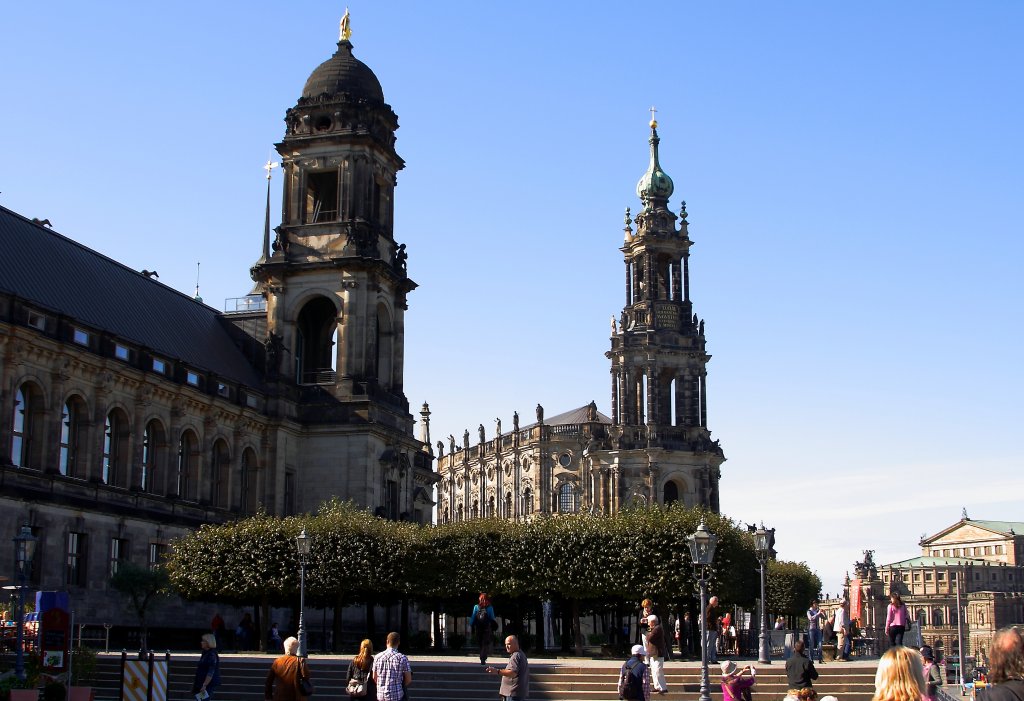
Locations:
{"points": [[462, 679]]}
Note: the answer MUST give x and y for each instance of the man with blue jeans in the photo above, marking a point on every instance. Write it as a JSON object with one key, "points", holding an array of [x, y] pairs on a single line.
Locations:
{"points": [[814, 618], [515, 678]]}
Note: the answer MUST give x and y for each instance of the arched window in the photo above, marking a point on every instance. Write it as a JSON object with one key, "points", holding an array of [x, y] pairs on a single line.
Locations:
{"points": [[28, 407], [671, 493], [567, 503], [937, 617], [490, 507], [115, 449], [476, 509], [527, 502], [71, 437], [384, 345], [248, 487], [154, 449], [459, 516], [187, 470], [219, 461], [508, 505], [317, 330]]}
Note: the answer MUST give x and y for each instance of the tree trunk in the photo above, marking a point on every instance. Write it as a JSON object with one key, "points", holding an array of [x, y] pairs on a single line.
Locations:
{"points": [[576, 632], [539, 613], [336, 622]]}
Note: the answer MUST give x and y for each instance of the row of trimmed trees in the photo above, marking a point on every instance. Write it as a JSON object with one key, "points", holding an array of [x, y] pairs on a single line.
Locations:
{"points": [[590, 563]]}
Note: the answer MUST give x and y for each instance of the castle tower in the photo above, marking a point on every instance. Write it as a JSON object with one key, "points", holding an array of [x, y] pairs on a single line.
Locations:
{"points": [[658, 355], [335, 283]]}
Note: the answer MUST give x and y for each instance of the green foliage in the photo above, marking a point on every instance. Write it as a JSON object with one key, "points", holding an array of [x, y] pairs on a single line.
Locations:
{"points": [[83, 666], [356, 556], [144, 587], [791, 587]]}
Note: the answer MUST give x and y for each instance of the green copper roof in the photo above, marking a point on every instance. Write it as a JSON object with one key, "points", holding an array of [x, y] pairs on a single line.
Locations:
{"points": [[938, 562], [655, 183], [1005, 527]]}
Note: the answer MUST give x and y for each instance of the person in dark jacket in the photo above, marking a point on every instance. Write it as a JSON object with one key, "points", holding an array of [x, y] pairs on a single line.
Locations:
{"points": [[800, 671], [208, 670], [360, 670], [657, 651]]}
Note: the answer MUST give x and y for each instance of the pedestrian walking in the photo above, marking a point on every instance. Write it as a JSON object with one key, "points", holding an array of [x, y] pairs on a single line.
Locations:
{"points": [[359, 683], [634, 682], [515, 678], [896, 619], [484, 624], [207, 677], [284, 677], [391, 671], [932, 675], [274, 642], [657, 650]]}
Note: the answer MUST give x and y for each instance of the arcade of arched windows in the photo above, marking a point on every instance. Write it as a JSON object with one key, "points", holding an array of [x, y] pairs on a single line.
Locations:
{"points": [[77, 442]]}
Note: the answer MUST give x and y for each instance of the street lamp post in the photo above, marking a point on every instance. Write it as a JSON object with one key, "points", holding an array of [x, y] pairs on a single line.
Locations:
{"points": [[302, 544], [702, 551], [764, 655], [24, 550]]}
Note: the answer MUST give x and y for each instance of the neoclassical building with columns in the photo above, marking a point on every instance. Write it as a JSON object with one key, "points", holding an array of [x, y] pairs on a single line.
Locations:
{"points": [[656, 447], [131, 413]]}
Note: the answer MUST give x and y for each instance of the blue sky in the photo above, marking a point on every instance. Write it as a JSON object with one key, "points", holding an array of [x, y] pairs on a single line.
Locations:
{"points": [[852, 172]]}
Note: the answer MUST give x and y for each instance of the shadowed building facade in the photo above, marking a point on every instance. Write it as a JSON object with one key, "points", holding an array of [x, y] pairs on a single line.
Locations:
{"points": [[131, 413], [656, 447]]}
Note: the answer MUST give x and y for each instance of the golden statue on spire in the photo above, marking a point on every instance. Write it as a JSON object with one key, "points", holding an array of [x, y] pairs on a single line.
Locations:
{"points": [[346, 26]]}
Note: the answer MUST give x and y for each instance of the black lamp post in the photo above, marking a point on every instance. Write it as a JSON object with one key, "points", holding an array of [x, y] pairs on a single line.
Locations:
{"points": [[302, 544], [764, 654], [702, 551], [24, 550]]}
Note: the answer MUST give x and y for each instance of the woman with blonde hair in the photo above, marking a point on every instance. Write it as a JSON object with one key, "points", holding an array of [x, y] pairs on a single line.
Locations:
{"points": [[208, 670], [900, 675], [360, 681], [283, 679]]}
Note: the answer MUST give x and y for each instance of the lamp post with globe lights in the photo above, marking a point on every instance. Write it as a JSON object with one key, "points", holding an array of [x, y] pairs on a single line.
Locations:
{"points": [[302, 543], [762, 548], [702, 552], [24, 551]]}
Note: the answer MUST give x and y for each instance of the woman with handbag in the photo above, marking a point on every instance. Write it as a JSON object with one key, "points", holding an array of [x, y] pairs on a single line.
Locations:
{"points": [[288, 678], [360, 680]]}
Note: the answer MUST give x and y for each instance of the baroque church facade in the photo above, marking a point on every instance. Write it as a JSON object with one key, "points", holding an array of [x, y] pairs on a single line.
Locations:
{"points": [[656, 447], [131, 414]]}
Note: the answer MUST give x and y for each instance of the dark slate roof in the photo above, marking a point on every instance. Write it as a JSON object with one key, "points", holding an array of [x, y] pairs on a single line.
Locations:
{"points": [[51, 271], [343, 73], [573, 416]]}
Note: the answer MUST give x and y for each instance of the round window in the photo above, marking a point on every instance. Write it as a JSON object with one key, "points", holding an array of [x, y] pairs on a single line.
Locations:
{"points": [[564, 459]]}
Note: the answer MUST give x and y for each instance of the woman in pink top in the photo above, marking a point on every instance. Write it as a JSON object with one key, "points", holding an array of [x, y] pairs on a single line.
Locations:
{"points": [[733, 681], [897, 619]]}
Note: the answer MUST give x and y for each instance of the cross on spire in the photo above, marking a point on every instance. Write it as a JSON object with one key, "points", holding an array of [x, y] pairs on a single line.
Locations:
{"points": [[654, 122], [270, 165]]}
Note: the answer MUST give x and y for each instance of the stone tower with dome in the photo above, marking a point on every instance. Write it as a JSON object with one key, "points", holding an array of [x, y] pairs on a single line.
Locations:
{"points": [[335, 282]]}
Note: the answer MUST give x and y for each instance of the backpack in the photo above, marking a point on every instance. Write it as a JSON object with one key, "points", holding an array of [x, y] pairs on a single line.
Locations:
{"points": [[631, 683], [483, 621]]}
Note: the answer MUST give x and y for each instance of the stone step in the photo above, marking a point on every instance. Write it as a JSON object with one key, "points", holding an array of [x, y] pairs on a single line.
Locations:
{"points": [[462, 679]]}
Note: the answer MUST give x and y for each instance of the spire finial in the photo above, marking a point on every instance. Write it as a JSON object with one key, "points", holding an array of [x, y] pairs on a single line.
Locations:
{"points": [[197, 297], [269, 167], [654, 122], [346, 26]]}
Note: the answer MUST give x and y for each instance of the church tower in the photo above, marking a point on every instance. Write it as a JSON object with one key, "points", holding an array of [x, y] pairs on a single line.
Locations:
{"points": [[658, 355], [335, 282]]}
